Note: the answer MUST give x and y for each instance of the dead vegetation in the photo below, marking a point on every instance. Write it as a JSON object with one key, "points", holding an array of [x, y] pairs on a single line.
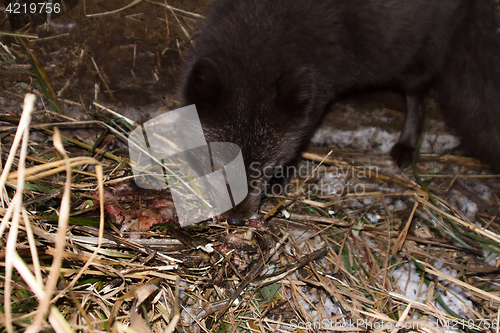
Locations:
{"points": [[388, 253]]}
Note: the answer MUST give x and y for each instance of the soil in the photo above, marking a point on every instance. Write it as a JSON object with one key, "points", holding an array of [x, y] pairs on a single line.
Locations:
{"points": [[127, 60]]}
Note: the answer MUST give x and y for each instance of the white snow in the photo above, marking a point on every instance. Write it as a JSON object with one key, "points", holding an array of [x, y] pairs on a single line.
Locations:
{"points": [[409, 282], [460, 201]]}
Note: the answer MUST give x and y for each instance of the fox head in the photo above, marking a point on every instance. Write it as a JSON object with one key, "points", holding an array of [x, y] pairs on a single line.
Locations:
{"points": [[269, 114]]}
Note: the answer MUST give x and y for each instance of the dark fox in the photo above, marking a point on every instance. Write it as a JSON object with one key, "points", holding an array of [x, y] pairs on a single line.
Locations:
{"points": [[263, 72]]}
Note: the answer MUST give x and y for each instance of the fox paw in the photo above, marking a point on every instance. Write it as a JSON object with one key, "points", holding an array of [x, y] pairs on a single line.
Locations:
{"points": [[402, 155]]}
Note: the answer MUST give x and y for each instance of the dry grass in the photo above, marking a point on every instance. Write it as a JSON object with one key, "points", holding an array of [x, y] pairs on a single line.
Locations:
{"points": [[333, 260], [70, 276]]}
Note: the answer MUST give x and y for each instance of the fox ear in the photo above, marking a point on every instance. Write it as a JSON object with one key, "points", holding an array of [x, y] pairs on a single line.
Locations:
{"points": [[294, 90], [204, 84]]}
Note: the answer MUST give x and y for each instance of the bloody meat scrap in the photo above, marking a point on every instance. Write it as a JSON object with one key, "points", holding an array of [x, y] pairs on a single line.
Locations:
{"points": [[134, 209]]}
